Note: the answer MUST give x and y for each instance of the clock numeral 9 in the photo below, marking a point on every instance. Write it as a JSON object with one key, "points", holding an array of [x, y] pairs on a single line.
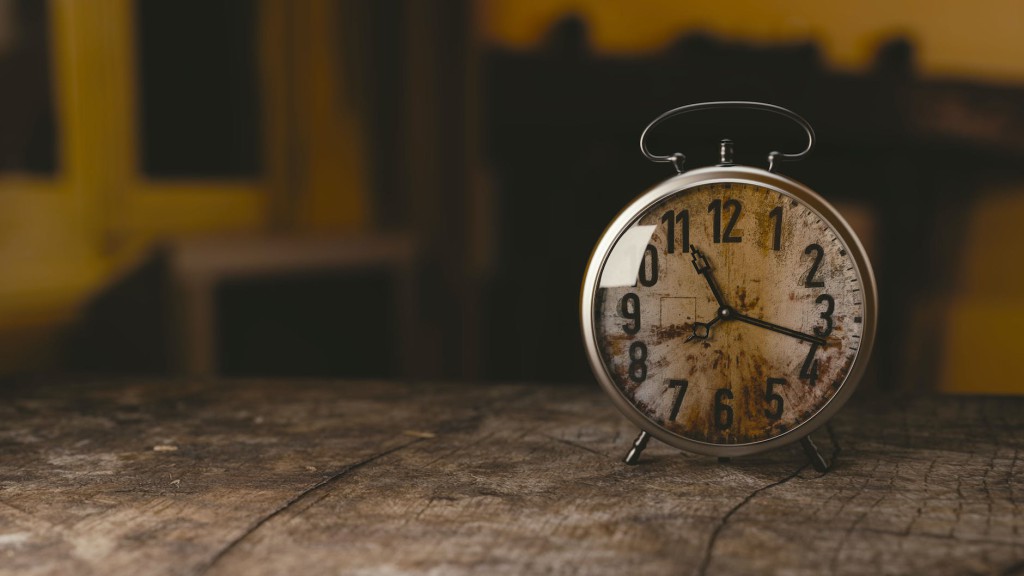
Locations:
{"points": [[773, 398], [670, 219], [651, 259], [633, 315], [717, 233], [723, 411], [638, 366]]}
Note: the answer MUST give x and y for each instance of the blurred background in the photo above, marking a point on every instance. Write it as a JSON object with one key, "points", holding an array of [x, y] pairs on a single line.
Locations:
{"points": [[411, 189]]}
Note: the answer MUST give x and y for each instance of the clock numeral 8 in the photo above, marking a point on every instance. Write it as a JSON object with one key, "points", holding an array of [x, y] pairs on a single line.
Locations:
{"points": [[638, 366]]}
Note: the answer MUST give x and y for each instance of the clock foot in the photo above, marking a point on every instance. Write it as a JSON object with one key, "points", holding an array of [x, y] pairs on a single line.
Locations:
{"points": [[815, 457], [638, 446]]}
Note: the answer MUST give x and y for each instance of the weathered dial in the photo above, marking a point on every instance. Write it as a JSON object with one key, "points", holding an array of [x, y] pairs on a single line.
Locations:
{"points": [[729, 313]]}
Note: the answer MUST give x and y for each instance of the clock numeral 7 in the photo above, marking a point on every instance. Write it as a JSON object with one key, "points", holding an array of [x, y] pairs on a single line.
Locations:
{"points": [[680, 386]]}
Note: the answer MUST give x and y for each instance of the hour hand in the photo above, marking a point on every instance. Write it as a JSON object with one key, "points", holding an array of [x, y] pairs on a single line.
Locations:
{"points": [[701, 265]]}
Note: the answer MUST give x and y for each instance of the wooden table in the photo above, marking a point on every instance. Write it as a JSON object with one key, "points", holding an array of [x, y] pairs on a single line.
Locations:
{"points": [[274, 477]]}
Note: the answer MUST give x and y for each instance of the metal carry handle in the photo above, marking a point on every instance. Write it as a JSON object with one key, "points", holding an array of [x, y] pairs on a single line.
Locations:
{"points": [[678, 159]]}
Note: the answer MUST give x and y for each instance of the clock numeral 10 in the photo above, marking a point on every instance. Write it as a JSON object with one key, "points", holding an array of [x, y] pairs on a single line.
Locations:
{"points": [[650, 262], [670, 219]]}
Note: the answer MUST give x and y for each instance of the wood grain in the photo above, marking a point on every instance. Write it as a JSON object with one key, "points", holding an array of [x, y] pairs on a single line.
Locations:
{"points": [[271, 477]]}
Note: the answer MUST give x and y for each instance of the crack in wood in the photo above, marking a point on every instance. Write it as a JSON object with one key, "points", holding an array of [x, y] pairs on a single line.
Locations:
{"points": [[710, 548], [298, 498]]}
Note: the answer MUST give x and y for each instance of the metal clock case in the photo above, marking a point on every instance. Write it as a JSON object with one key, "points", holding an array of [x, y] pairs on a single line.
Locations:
{"points": [[729, 310]]}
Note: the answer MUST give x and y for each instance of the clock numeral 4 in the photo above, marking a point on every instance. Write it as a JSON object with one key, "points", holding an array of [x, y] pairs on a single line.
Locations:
{"points": [[809, 371]]}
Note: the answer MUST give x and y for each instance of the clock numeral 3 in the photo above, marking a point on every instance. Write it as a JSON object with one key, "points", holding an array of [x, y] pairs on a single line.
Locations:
{"points": [[718, 234], [650, 262], [638, 366], [680, 386], [723, 411], [634, 314], [826, 315], [670, 219], [773, 398]]}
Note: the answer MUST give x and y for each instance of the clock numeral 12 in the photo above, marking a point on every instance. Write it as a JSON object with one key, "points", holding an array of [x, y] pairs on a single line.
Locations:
{"points": [[670, 219], [719, 235]]}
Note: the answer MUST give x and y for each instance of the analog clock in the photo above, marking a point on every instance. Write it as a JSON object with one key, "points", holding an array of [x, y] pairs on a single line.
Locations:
{"points": [[729, 309]]}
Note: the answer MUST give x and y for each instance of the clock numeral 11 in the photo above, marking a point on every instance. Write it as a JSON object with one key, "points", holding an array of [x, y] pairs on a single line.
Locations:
{"points": [[670, 219]]}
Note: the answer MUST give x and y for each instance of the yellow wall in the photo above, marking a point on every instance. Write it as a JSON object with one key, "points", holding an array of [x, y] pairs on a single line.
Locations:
{"points": [[978, 39]]}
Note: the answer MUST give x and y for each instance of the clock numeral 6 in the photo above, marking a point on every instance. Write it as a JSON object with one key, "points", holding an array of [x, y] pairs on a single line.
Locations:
{"points": [[723, 411], [638, 366], [632, 314], [773, 398]]}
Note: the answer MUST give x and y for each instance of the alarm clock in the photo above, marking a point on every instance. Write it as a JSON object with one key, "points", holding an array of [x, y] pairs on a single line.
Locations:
{"points": [[729, 309]]}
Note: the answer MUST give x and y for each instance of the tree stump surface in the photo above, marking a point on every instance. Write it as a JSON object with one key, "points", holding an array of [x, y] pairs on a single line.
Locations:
{"points": [[302, 477]]}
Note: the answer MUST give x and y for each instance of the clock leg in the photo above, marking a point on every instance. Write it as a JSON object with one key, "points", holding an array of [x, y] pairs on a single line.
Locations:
{"points": [[633, 456], [814, 455]]}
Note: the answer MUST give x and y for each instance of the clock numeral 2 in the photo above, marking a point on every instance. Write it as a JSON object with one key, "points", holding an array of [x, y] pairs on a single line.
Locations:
{"points": [[819, 253], [723, 412], [670, 219], [680, 386], [773, 398], [718, 235], [651, 260], [628, 314]]}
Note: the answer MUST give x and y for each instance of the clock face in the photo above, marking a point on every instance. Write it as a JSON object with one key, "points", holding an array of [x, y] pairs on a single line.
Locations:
{"points": [[729, 313]]}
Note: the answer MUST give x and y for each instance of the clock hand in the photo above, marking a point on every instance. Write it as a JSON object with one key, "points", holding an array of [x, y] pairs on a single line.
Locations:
{"points": [[776, 328], [700, 264], [702, 330]]}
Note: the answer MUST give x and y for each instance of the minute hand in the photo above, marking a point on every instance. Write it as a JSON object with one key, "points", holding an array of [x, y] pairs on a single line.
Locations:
{"points": [[780, 329]]}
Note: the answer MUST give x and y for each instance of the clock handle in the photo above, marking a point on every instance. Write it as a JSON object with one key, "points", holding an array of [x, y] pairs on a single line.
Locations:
{"points": [[678, 159]]}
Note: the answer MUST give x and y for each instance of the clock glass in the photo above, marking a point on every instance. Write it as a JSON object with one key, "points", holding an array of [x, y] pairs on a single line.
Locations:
{"points": [[729, 312]]}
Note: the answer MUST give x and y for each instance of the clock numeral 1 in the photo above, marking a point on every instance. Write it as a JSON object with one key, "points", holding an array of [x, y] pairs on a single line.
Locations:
{"points": [[723, 412], [670, 219], [776, 214], [650, 259], [638, 366], [809, 371], [719, 235], [680, 386], [773, 398], [628, 314]]}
